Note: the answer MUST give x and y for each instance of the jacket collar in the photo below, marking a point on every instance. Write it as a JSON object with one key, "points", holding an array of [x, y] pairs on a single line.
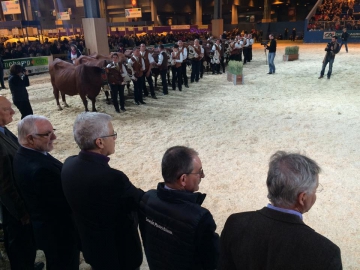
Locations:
{"points": [[94, 157], [179, 195], [280, 216]]}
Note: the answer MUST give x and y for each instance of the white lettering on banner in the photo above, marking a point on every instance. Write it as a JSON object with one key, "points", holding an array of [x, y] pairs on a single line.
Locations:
{"points": [[158, 226], [180, 27]]}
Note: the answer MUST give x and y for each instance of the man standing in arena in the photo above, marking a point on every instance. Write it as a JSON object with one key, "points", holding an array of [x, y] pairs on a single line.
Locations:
{"points": [[276, 237], [177, 232], [184, 52], [344, 39], [272, 53], [163, 66], [149, 62], [138, 65], [331, 49], [196, 61]]}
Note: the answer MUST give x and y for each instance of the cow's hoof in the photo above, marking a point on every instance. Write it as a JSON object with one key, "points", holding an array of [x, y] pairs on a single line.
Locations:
{"points": [[66, 105], [59, 108]]}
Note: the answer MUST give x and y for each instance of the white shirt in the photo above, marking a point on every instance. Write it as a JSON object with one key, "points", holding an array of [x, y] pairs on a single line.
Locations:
{"points": [[184, 52], [239, 44], [142, 62], [247, 43], [251, 41], [214, 47], [161, 58], [177, 60], [151, 59]]}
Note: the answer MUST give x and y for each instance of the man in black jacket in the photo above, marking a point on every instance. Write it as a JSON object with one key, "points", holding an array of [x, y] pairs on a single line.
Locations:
{"points": [[177, 232], [38, 176], [19, 243], [331, 49], [103, 199], [272, 53], [344, 39], [276, 237]]}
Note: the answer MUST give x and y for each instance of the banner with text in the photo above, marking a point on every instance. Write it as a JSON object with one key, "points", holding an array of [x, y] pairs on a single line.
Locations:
{"points": [[33, 64], [133, 13], [10, 7]]}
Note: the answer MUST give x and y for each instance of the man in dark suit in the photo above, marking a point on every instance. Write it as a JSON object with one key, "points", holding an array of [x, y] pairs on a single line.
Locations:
{"points": [[103, 199], [276, 237], [18, 236], [38, 176]]}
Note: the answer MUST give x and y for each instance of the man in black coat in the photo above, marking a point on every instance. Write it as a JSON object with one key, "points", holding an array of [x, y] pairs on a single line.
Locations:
{"points": [[344, 39], [18, 236], [276, 237], [103, 199], [177, 232], [38, 176]]}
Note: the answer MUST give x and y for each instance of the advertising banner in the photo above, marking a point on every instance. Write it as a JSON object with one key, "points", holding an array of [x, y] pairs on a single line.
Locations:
{"points": [[180, 27], [133, 13], [10, 7], [64, 16], [79, 3], [328, 35], [33, 64]]}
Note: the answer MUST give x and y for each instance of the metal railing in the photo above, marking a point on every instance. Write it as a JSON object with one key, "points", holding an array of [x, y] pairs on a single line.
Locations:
{"points": [[333, 26]]}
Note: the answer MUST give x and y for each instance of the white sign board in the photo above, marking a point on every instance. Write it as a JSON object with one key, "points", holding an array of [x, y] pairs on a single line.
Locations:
{"points": [[63, 16], [10, 7], [79, 3], [133, 13], [180, 27]]}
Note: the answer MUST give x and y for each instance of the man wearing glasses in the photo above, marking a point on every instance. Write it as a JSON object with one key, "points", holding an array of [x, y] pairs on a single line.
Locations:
{"points": [[38, 176], [276, 237], [177, 232], [103, 200], [18, 235]]}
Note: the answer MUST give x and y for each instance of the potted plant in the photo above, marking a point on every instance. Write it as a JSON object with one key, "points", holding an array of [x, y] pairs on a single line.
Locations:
{"points": [[235, 72], [291, 53]]}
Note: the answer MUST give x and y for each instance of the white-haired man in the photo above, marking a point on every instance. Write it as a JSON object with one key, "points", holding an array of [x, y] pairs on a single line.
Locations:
{"points": [[103, 200], [184, 52], [276, 237], [38, 176]]}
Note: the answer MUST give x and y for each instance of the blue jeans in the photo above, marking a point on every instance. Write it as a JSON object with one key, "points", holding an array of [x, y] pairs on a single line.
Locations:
{"points": [[327, 60], [271, 58], [344, 43]]}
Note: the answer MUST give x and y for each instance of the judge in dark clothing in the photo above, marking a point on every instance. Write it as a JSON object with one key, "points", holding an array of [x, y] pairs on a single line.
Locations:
{"points": [[18, 80], [18, 235], [177, 232], [276, 237], [331, 49], [344, 39], [103, 200], [272, 52], [2, 73], [38, 176]]}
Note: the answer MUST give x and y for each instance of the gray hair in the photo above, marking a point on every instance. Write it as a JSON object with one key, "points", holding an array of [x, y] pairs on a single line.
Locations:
{"points": [[88, 127], [27, 126], [289, 175]]}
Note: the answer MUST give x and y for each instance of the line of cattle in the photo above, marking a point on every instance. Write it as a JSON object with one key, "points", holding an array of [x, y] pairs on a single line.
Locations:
{"points": [[89, 74]]}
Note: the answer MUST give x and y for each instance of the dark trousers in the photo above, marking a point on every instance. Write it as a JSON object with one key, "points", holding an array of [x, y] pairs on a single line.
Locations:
{"points": [[195, 70], [138, 89], [176, 77], [250, 53], [327, 60], [183, 73], [222, 64], [24, 107], [19, 242], [118, 90], [216, 68], [342, 43], [163, 73], [246, 55], [151, 85], [2, 78]]}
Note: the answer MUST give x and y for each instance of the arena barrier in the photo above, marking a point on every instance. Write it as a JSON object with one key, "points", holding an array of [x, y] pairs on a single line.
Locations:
{"points": [[35, 65], [325, 36]]}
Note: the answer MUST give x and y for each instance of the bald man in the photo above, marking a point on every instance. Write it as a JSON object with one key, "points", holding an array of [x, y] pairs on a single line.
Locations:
{"points": [[19, 243]]}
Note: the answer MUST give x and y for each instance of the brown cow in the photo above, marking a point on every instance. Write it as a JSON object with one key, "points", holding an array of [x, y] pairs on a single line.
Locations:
{"points": [[71, 80]]}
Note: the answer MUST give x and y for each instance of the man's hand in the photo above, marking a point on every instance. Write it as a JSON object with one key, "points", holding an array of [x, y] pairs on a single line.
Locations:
{"points": [[25, 219]]}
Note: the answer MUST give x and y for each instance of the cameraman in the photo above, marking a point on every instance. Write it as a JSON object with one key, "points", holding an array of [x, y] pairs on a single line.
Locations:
{"points": [[331, 49], [272, 53], [18, 80]]}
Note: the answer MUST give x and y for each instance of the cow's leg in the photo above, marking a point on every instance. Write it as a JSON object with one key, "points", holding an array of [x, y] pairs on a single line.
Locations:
{"points": [[64, 100], [85, 102], [108, 101], [93, 100], [56, 95]]}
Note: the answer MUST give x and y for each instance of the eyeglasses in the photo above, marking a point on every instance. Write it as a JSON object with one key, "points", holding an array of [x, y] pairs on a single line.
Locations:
{"points": [[201, 172], [319, 188], [112, 135], [46, 134]]}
